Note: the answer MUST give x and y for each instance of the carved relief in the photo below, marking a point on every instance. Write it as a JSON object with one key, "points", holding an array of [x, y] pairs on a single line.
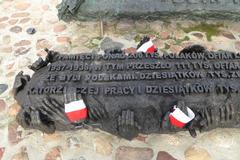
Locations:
{"points": [[130, 94]]}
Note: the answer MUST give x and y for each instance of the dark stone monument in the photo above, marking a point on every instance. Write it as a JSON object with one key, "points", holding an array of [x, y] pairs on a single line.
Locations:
{"points": [[149, 9], [130, 94]]}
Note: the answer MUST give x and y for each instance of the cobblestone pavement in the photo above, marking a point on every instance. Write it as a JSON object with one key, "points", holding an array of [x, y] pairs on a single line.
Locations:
{"points": [[18, 49]]}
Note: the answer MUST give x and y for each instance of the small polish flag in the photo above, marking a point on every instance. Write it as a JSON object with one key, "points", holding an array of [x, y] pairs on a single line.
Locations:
{"points": [[147, 47], [179, 119], [76, 111]]}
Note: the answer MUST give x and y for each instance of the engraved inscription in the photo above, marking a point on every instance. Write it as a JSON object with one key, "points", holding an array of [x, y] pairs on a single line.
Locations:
{"points": [[121, 71], [113, 90]]}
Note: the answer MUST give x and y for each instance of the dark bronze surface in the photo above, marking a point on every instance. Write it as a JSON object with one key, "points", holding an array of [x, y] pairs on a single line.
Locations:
{"points": [[130, 94]]}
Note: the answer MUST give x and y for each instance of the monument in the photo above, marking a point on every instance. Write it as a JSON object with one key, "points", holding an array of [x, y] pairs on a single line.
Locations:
{"points": [[130, 94], [150, 9]]}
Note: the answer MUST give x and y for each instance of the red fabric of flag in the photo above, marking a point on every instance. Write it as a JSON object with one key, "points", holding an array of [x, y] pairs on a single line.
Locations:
{"points": [[179, 119], [147, 47], [76, 111]]}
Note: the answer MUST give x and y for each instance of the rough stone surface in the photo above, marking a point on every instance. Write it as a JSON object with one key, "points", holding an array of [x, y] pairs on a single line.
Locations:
{"points": [[2, 19], [6, 39], [59, 28], [13, 21], [53, 154], [43, 43], [14, 136], [162, 155], [61, 48], [220, 138], [159, 43], [24, 20], [141, 138], [3, 25], [6, 49], [73, 142], [16, 29], [2, 149], [42, 53], [103, 145], [21, 51], [237, 45], [175, 48], [142, 26], [23, 155], [20, 14], [63, 39], [45, 7], [228, 35], [22, 6], [22, 43], [130, 50], [134, 153], [196, 153], [198, 35], [125, 25], [13, 109], [164, 35], [2, 105], [79, 158]]}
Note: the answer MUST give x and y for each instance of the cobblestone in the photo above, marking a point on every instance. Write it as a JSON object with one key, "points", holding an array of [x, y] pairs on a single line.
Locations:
{"points": [[59, 28], [133, 153], [16, 29], [13, 135], [13, 21], [22, 6], [43, 43], [195, 153], [164, 156], [2, 149], [2, 105], [21, 14], [22, 43], [24, 20], [2, 19], [53, 154], [22, 155]]}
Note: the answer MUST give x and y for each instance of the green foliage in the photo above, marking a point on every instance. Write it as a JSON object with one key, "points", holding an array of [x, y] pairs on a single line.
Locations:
{"points": [[179, 41], [209, 29], [93, 43], [137, 38], [167, 46]]}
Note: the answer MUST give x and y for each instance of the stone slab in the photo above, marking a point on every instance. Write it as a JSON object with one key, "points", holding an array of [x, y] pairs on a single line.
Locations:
{"points": [[148, 9]]}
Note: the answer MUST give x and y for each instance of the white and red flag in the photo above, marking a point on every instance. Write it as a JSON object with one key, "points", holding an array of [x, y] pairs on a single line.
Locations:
{"points": [[179, 119], [76, 111], [147, 47]]}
